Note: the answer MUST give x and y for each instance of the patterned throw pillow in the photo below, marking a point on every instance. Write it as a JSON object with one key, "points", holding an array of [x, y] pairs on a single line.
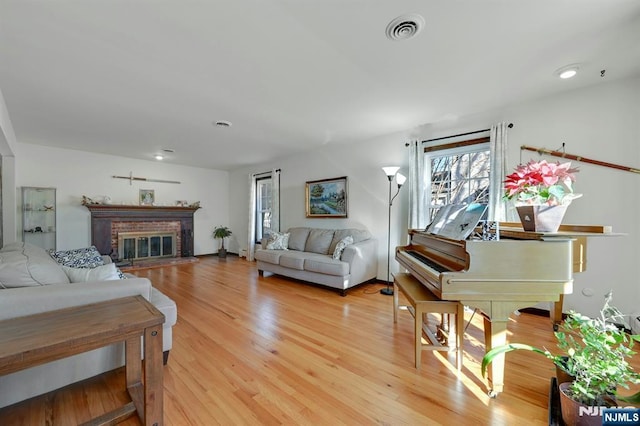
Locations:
{"points": [[337, 253], [88, 257], [278, 241]]}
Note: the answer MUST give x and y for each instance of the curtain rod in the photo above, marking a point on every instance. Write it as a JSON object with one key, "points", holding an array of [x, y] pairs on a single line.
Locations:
{"points": [[265, 173], [510, 125]]}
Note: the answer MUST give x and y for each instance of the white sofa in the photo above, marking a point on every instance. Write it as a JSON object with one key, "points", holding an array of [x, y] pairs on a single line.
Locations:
{"points": [[309, 257], [31, 281]]}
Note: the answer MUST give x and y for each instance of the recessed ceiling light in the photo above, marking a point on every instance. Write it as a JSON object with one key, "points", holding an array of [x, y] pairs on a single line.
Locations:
{"points": [[158, 157], [223, 123], [567, 71]]}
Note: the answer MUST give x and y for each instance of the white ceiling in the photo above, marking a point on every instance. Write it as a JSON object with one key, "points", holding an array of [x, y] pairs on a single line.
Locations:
{"points": [[133, 77]]}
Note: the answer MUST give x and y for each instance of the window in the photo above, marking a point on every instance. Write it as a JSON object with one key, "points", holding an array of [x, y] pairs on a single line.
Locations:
{"points": [[458, 175], [264, 200]]}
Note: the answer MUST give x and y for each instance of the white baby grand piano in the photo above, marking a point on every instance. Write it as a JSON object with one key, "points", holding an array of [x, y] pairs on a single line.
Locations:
{"points": [[499, 277]]}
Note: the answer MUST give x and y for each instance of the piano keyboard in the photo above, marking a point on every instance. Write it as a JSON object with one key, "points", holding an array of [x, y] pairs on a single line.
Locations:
{"points": [[427, 261]]}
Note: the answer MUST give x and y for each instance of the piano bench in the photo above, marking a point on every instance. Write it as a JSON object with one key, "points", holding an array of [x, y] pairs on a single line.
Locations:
{"points": [[422, 302]]}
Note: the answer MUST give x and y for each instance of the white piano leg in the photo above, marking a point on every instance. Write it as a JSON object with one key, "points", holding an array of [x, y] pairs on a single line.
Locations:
{"points": [[556, 312], [459, 335], [495, 334], [395, 301]]}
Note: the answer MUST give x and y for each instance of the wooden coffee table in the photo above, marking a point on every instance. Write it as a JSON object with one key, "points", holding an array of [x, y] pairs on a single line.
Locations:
{"points": [[36, 339]]}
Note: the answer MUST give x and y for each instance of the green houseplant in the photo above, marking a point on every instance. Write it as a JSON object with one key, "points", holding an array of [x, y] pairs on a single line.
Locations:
{"points": [[221, 232], [595, 352]]}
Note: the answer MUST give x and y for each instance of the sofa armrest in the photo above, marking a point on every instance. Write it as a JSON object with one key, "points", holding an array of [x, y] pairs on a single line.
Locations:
{"points": [[362, 258], [17, 302]]}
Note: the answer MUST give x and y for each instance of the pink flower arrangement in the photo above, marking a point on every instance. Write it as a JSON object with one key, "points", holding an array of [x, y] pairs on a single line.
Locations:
{"points": [[539, 182]]}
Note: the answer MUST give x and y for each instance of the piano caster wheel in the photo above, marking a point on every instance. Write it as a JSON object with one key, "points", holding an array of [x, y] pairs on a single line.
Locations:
{"points": [[556, 326], [492, 394]]}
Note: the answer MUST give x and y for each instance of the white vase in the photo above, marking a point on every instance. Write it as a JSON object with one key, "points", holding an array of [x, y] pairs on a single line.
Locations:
{"points": [[541, 218]]}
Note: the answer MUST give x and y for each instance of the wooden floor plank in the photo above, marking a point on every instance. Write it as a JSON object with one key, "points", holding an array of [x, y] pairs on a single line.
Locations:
{"points": [[269, 350]]}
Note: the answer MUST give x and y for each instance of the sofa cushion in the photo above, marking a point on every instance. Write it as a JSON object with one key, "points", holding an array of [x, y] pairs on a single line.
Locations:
{"points": [[99, 273], [298, 238], [357, 235], [337, 253], [269, 256], [319, 241], [293, 259], [27, 266], [277, 241], [88, 257], [326, 265]]}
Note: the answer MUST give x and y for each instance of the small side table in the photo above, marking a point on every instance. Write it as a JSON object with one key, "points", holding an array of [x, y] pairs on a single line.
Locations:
{"points": [[37, 339]]}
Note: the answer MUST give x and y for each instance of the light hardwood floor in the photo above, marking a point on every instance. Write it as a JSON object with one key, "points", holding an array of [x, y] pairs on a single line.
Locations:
{"points": [[253, 350]]}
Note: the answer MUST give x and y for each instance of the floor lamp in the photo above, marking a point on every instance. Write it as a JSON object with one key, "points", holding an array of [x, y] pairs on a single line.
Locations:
{"points": [[391, 172]]}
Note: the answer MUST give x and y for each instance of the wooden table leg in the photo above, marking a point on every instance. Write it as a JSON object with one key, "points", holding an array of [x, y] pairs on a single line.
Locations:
{"points": [[153, 384], [133, 366]]}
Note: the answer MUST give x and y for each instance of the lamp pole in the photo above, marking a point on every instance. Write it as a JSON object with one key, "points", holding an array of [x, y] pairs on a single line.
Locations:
{"points": [[391, 172]]}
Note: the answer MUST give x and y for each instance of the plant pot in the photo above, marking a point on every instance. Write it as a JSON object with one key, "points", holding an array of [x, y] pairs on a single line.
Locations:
{"points": [[562, 376], [541, 218], [222, 253], [575, 413]]}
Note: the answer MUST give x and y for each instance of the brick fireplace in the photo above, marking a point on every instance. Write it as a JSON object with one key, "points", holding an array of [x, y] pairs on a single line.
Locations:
{"points": [[109, 221]]}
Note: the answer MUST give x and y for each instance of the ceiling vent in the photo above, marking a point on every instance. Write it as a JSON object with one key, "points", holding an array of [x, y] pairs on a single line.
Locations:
{"points": [[405, 27]]}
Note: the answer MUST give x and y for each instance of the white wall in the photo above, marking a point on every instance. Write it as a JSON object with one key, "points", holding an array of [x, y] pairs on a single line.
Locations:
{"points": [[599, 122], [602, 123], [367, 195], [78, 173], [7, 168]]}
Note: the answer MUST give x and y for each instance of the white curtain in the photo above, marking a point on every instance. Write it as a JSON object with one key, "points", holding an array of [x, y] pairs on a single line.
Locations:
{"points": [[252, 218], [275, 207], [275, 200], [498, 162], [417, 206]]}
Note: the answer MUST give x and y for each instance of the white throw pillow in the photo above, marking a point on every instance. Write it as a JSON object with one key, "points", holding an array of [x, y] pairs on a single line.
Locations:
{"points": [[337, 253], [99, 273], [278, 241]]}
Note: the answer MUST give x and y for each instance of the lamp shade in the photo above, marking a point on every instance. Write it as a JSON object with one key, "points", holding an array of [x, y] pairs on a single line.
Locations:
{"points": [[390, 171], [400, 179]]}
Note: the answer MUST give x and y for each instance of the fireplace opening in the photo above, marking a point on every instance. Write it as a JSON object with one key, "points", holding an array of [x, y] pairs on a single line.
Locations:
{"points": [[146, 245]]}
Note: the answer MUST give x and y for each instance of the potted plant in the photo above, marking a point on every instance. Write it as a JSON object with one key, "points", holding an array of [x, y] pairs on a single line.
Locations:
{"points": [[541, 191], [221, 232], [595, 353]]}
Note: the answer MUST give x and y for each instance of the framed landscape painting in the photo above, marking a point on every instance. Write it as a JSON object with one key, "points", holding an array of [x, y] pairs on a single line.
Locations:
{"points": [[326, 198]]}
